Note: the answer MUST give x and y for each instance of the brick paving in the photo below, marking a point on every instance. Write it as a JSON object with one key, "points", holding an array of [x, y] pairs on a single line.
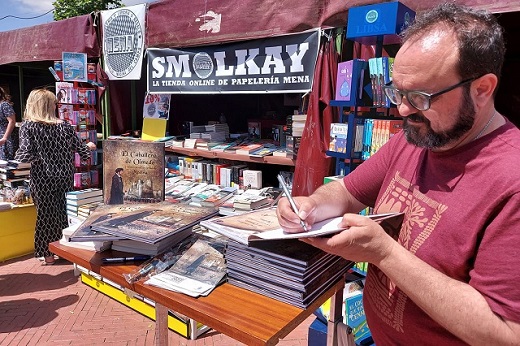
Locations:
{"points": [[48, 305]]}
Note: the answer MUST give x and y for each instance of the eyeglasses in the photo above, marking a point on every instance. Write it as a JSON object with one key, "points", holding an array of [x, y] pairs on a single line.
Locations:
{"points": [[418, 99]]}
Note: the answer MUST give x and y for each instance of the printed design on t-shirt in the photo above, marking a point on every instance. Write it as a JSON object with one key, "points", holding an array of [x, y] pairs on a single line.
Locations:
{"points": [[421, 214]]}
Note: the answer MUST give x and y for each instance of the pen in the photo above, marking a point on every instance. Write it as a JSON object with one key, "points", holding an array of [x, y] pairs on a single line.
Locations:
{"points": [[291, 200], [125, 259]]}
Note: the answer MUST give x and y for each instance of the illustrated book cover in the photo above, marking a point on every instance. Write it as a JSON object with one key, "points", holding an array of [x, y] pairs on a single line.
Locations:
{"points": [[133, 171], [154, 222], [263, 224], [84, 232], [197, 272]]}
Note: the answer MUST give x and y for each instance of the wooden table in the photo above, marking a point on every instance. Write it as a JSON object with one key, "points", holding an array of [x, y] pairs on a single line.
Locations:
{"points": [[245, 316]]}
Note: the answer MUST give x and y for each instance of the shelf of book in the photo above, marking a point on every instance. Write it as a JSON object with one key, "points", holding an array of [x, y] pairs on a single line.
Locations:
{"points": [[272, 160], [359, 86], [78, 106]]}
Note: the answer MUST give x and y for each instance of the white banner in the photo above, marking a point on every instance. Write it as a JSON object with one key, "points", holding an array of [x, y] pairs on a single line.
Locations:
{"points": [[123, 41]]}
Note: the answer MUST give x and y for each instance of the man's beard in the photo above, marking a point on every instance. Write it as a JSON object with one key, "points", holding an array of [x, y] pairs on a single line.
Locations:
{"points": [[432, 139]]}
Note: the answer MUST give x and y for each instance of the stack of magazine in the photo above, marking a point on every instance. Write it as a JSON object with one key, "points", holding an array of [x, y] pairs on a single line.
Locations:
{"points": [[287, 270], [198, 270], [262, 258], [147, 228]]}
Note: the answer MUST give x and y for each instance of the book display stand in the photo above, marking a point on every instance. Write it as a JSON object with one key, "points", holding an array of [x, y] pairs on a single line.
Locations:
{"points": [[248, 317], [77, 105], [359, 86]]}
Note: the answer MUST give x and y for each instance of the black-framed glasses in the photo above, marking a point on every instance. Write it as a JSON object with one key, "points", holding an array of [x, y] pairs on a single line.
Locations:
{"points": [[418, 99]]}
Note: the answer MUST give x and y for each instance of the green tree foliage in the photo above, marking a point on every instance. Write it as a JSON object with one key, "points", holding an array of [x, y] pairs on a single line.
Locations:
{"points": [[71, 8]]}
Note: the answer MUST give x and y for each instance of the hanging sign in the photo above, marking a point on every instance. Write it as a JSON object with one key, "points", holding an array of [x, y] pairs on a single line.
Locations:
{"points": [[278, 64], [123, 41]]}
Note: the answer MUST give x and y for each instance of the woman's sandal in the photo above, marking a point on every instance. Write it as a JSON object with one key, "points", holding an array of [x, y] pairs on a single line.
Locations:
{"points": [[48, 261]]}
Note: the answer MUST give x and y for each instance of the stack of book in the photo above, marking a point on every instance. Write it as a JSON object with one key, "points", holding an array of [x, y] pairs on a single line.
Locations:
{"points": [[151, 249], [14, 173], [197, 271], [288, 270], [91, 198], [262, 258], [298, 124], [147, 228], [248, 200], [95, 245]]}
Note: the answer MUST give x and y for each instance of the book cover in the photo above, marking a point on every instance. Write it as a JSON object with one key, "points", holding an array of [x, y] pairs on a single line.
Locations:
{"points": [[154, 222], [74, 66], [85, 233], [254, 129], [247, 202], [153, 129], [338, 137], [355, 316], [133, 171], [265, 150], [252, 178], [219, 198], [262, 224], [246, 149], [197, 272], [85, 193]]}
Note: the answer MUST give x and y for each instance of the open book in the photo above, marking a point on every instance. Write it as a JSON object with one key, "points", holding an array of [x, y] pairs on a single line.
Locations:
{"points": [[263, 224]]}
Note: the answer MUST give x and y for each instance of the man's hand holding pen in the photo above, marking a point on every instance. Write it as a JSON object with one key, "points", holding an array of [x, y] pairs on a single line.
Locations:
{"points": [[289, 220]]}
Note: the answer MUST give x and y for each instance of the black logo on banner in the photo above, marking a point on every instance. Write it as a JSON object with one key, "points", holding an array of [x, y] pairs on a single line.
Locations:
{"points": [[123, 42]]}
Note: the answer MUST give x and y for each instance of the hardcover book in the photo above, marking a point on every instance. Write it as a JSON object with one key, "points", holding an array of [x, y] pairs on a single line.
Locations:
{"points": [[350, 81], [252, 179], [263, 224], [85, 193], [154, 222], [82, 201], [140, 167], [85, 233]]}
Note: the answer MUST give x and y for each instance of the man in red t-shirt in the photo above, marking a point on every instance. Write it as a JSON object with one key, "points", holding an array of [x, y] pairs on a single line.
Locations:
{"points": [[452, 277]]}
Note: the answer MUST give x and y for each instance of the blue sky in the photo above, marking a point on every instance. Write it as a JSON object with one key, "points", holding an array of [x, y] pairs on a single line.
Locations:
{"points": [[33, 8]]}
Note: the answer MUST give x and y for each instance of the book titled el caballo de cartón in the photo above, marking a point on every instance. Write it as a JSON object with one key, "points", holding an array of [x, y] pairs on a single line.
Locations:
{"points": [[263, 224]]}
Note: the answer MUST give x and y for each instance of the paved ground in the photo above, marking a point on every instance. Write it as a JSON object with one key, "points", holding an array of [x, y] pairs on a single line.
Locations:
{"points": [[48, 305]]}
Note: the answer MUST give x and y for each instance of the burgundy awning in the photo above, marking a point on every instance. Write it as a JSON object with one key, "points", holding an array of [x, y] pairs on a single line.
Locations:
{"points": [[176, 24], [47, 41]]}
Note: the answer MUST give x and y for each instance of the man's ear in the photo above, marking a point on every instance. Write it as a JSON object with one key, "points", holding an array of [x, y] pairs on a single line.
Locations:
{"points": [[483, 88]]}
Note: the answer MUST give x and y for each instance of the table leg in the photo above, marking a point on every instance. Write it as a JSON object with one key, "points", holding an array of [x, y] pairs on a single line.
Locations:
{"points": [[161, 325], [335, 316]]}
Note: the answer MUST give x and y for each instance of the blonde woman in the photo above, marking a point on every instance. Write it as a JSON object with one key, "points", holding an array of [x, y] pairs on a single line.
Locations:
{"points": [[49, 144]]}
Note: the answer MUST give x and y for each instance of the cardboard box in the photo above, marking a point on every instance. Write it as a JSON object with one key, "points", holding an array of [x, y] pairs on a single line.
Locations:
{"points": [[366, 23], [17, 231], [317, 333]]}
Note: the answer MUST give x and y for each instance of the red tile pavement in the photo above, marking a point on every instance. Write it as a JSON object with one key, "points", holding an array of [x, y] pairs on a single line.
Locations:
{"points": [[48, 305]]}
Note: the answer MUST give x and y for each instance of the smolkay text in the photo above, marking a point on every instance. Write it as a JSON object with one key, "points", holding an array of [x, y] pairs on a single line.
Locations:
{"points": [[252, 66]]}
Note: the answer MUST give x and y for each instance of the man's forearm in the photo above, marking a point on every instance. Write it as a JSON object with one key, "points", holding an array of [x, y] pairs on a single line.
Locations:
{"points": [[333, 199]]}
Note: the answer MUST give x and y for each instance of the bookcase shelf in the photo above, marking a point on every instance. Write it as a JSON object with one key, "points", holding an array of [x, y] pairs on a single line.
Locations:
{"points": [[271, 160], [77, 105], [391, 18]]}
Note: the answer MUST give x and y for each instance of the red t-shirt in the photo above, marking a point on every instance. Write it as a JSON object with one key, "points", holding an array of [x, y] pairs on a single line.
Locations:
{"points": [[462, 216]]}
